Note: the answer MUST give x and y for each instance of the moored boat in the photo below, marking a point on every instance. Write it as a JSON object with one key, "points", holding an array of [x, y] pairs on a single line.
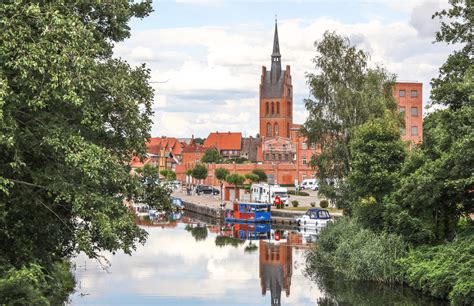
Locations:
{"points": [[249, 213]]}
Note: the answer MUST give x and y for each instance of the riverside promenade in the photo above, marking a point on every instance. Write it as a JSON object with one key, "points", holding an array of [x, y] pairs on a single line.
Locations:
{"points": [[210, 205]]}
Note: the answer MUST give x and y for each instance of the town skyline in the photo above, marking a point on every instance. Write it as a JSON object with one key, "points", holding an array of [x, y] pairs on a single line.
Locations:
{"points": [[206, 71]]}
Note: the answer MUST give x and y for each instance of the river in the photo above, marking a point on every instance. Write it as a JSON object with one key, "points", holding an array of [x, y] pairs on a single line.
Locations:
{"points": [[194, 262]]}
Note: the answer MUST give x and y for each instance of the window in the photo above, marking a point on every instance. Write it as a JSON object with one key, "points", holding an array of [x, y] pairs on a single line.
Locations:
{"points": [[275, 127], [414, 130], [403, 131], [286, 156], [266, 108], [284, 146], [273, 108], [304, 146], [402, 109], [273, 156], [414, 93], [304, 160], [278, 108], [279, 157], [401, 93], [269, 129], [267, 156], [313, 145], [414, 111], [269, 146]]}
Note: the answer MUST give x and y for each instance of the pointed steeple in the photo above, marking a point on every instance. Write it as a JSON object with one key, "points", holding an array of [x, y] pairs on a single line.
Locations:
{"points": [[276, 57], [276, 43]]}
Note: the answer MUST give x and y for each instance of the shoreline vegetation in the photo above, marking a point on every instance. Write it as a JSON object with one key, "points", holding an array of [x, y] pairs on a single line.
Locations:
{"points": [[408, 208]]}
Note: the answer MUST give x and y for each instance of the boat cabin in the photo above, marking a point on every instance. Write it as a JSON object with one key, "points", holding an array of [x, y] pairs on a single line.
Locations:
{"points": [[250, 212]]}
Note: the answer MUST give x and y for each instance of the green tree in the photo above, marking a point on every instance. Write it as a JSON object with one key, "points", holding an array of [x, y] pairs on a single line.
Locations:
{"points": [[262, 176], [236, 180], [221, 174], [252, 177], [211, 156], [168, 174], [345, 94], [199, 172], [71, 116], [151, 191]]}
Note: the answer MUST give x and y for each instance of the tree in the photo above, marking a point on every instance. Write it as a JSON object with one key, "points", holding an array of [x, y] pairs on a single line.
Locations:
{"points": [[345, 94], [454, 87], [377, 157], [169, 175], [235, 179], [71, 116], [252, 177], [221, 174], [262, 176], [199, 172], [211, 156], [152, 192]]}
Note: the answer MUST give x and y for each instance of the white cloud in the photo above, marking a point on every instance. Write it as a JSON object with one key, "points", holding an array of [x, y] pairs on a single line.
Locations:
{"points": [[210, 75]]}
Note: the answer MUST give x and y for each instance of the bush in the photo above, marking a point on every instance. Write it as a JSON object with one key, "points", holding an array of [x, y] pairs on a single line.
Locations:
{"points": [[357, 253], [444, 271], [313, 204], [300, 193], [295, 203], [324, 204]]}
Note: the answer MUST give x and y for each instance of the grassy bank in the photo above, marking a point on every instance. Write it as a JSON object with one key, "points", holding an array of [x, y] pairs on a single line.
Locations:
{"points": [[444, 271]]}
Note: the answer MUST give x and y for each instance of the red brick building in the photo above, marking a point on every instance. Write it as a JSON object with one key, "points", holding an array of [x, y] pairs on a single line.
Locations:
{"points": [[409, 97], [228, 144]]}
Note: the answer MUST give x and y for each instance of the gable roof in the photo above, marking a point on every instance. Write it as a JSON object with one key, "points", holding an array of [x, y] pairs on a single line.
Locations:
{"points": [[169, 144], [224, 141]]}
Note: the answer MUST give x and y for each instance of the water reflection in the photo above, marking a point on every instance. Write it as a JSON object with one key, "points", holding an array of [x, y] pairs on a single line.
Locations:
{"points": [[191, 260]]}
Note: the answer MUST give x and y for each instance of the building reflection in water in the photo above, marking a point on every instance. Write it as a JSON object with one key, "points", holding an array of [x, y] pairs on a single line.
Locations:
{"points": [[276, 264]]}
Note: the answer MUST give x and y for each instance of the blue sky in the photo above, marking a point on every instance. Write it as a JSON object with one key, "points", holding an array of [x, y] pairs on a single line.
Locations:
{"points": [[206, 56]]}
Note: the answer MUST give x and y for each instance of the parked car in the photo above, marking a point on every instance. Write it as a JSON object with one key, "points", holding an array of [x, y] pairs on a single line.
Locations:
{"points": [[312, 184], [204, 189], [314, 217]]}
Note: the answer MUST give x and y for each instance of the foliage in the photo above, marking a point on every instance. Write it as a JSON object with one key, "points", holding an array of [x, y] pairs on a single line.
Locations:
{"points": [[199, 172], [454, 86], [324, 204], [152, 192], [221, 174], [169, 175], [235, 179], [358, 253], [31, 285], [199, 141], [261, 174], [199, 233], [252, 177], [189, 172], [377, 156], [222, 241], [211, 156], [443, 270], [298, 193], [346, 94], [295, 203]]}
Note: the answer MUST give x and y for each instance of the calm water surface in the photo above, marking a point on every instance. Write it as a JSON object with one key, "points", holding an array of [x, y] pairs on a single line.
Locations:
{"points": [[190, 262]]}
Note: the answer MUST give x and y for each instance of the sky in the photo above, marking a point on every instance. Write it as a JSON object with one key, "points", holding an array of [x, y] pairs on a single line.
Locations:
{"points": [[206, 56]]}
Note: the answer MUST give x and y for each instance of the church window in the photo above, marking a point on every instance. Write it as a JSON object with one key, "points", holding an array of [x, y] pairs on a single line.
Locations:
{"points": [[266, 108], [276, 129], [269, 129], [273, 108], [286, 156], [279, 157], [278, 108]]}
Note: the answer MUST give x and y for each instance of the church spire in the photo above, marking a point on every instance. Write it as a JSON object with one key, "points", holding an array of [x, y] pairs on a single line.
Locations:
{"points": [[276, 57]]}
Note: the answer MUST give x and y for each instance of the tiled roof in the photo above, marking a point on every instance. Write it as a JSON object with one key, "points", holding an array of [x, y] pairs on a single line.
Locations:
{"points": [[155, 144], [224, 141]]}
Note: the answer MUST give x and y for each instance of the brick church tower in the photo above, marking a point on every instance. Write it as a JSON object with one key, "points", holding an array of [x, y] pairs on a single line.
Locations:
{"points": [[276, 96]]}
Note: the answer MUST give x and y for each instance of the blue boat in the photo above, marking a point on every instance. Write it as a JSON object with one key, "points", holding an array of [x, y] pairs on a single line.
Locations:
{"points": [[249, 213], [177, 203]]}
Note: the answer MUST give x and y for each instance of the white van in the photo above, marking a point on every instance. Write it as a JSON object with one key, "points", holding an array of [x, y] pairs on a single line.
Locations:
{"points": [[312, 184], [265, 193]]}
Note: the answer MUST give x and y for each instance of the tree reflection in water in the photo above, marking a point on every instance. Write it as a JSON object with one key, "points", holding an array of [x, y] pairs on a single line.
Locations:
{"points": [[199, 232], [337, 291]]}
